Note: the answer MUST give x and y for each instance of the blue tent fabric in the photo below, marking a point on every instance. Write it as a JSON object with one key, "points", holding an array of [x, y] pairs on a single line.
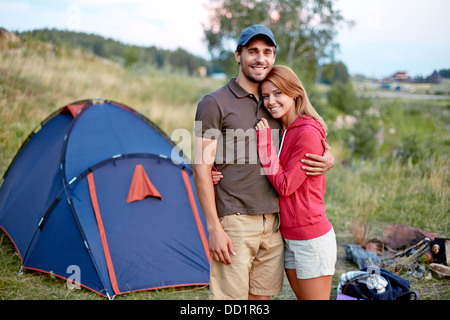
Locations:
{"points": [[113, 131], [63, 202], [28, 165]]}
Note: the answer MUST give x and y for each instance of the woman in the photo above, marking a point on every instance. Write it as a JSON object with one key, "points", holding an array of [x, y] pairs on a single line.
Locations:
{"points": [[310, 243]]}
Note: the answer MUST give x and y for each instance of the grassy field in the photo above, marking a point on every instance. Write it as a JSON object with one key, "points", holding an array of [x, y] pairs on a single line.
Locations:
{"points": [[412, 189]]}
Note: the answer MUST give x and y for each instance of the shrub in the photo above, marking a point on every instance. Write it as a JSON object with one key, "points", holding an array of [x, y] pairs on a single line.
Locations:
{"points": [[362, 141], [342, 97], [417, 147]]}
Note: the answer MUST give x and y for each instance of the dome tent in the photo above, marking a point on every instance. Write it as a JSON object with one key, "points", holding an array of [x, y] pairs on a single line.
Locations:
{"points": [[96, 186]]}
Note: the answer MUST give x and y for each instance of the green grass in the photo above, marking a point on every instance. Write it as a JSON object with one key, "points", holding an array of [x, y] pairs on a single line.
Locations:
{"points": [[372, 192]]}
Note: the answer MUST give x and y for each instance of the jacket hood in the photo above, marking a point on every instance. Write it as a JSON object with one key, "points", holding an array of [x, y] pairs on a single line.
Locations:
{"points": [[307, 120]]}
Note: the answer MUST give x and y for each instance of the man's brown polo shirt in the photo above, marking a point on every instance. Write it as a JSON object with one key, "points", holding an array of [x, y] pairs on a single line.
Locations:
{"points": [[230, 115]]}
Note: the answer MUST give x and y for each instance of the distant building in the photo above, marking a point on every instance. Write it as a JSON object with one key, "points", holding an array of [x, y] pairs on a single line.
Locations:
{"points": [[401, 76]]}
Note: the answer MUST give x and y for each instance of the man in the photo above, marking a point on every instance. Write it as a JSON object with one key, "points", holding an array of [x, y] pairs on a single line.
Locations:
{"points": [[241, 211]]}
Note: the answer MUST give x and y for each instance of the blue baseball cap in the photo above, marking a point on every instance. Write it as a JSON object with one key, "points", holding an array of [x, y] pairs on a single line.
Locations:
{"points": [[255, 30]]}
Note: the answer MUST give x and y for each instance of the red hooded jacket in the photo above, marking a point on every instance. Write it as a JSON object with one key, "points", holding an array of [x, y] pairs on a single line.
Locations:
{"points": [[301, 197]]}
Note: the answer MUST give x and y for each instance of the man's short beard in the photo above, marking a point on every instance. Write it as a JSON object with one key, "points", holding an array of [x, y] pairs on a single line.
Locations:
{"points": [[252, 79]]}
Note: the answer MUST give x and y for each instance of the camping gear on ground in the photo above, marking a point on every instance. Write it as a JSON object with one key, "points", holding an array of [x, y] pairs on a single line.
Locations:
{"points": [[398, 236], [441, 251], [374, 283], [99, 194], [440, 270], [402, 248], [361, 257]]}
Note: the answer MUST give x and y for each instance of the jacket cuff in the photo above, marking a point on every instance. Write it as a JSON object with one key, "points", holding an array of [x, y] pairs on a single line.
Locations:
{"points": [[264, 137]]}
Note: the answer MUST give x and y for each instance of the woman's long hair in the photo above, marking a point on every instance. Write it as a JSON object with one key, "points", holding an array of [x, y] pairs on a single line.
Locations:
{"points": [[287, 81]]}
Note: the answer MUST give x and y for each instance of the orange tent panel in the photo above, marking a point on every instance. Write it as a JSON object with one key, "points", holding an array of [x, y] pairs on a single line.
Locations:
{"points": [[141, 186]]}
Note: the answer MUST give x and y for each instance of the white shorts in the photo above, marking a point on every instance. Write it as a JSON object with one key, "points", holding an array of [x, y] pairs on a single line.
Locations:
{"points": [[311, 258]]}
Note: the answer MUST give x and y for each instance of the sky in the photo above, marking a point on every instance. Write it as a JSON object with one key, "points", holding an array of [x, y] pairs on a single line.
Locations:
{"points": [[388, 36]]}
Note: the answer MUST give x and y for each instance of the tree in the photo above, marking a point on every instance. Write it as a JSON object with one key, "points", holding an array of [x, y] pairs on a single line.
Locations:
{"points": [[445, 73], [342, 97], [131, 56], [305, 30], [334, 72]]}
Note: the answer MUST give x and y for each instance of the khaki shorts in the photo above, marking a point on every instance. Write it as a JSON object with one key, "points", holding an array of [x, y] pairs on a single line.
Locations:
{"points": [[258, 265], [312, 258]]}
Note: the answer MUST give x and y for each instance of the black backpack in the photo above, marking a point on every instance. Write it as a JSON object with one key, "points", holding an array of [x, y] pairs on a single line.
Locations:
{"points": [[397, 288]]}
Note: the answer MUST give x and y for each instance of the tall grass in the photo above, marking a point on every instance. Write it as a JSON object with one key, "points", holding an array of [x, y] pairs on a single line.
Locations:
{"points": [[380, 192], [405, 179], [36, 80], [364, 196]]}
